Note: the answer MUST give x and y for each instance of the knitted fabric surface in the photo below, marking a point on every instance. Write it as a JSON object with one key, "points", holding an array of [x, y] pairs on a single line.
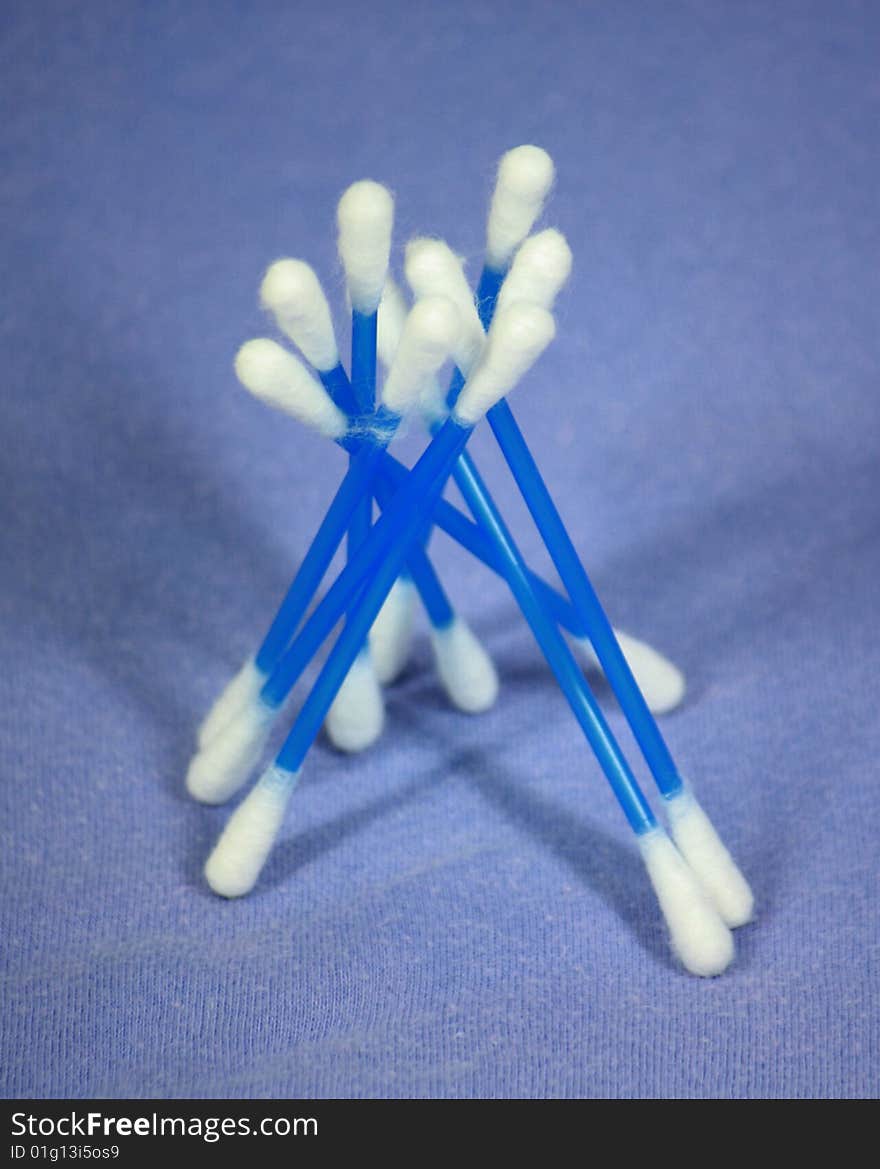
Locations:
{"points": [[459, 911]]}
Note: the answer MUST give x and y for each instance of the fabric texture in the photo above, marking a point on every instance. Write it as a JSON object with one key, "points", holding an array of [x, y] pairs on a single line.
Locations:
{"points": [[461, 910]]}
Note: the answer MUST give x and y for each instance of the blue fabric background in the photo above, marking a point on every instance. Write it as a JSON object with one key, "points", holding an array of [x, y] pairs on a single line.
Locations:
{"points": [[460, 911]]}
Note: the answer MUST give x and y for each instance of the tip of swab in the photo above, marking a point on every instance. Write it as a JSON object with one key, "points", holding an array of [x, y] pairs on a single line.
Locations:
{"points": [[357, 715], [429, 336], [277, 378], [393, 311], [703, 849], [539, 270], [662, 684], [292, 292], [433, 269], [392, 631], [699, 937], [466, 670], [235, 864], [228, 759], [240, 690], [525, 176], [365, 216], [519, 335]]}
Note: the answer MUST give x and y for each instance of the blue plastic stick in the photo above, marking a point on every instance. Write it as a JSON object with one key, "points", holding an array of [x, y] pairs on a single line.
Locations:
{"points": [[363, 388], [553, 532]]}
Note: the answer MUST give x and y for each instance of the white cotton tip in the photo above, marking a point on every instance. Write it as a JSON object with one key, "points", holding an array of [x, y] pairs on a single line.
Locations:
{"points": [[433, 269], [429, 336], [238, 692], [702, 848], [235, 864], [391, 634], [525, 176], [699, 936], [466, 670], [393, 311], [355, 720], [280, 380], [539, 270], [227, 761], [518, 337], [292, 293], [662, 684], [365, 217]]}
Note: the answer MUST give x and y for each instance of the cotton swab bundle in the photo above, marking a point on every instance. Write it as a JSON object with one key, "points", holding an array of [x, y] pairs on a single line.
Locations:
{"points": [[494, 338], [522, 334]]}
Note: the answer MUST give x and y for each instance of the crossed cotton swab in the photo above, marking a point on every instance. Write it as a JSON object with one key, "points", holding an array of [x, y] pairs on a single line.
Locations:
{"points": [[520, 335], [700, 937], [537, 274]]}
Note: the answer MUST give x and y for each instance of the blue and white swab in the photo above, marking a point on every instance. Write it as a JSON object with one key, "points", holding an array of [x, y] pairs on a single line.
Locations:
{"points": [[226, 760], [235, 864], [692, 830], [365, 218]]}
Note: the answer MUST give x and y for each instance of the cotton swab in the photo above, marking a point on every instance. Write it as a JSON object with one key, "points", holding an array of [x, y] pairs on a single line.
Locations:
{"points": [[235, 864], [224, 764], [693, 832], [365, 217]]}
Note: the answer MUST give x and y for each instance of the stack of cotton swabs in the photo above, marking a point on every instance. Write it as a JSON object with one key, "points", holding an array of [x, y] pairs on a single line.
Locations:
{"points": [[492, 338]]}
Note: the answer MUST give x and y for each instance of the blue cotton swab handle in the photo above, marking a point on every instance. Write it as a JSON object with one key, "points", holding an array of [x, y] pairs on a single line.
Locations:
{"points": [[363, 387]]}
